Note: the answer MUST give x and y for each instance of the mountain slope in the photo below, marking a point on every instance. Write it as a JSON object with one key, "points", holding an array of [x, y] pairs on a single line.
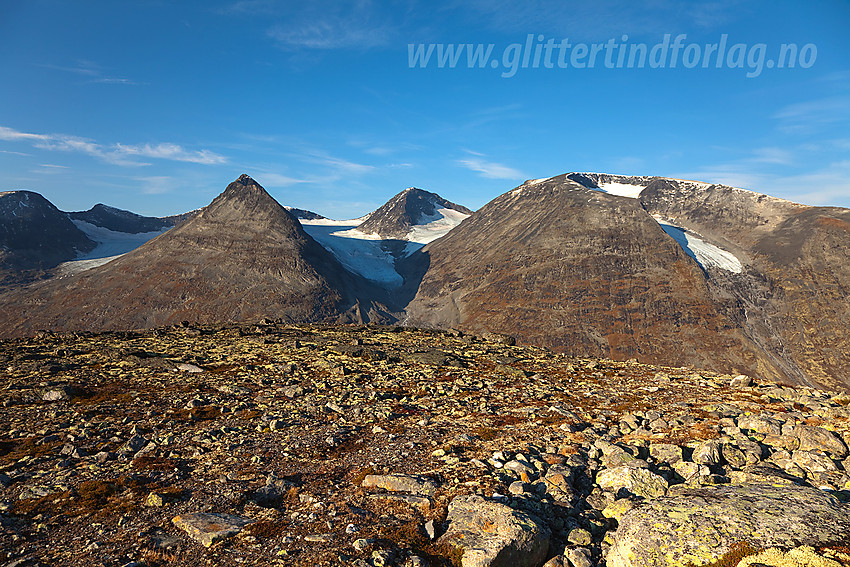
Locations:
{"points": [[561, 265], [582, 262], [241, 258], [34, 236]]}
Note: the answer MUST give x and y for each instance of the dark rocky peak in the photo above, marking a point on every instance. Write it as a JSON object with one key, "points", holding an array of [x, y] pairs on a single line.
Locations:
{"points": [[409, 208], [120, 220]]}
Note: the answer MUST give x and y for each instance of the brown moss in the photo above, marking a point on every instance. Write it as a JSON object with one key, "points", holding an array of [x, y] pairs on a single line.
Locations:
{"points": [[736, 553], [267, 529], [16, 449]]}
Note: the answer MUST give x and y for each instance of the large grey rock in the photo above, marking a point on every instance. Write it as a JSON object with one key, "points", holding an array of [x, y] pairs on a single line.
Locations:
{"points": [[400, 483], [695, 526], [707, 453], [207, 529], [665, 452], [640, 482], [495, 535], [761, 424], [820, 439]]}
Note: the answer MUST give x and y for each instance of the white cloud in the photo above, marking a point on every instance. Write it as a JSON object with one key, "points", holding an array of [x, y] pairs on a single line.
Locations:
{"points": [[11, 135], [489, 169], [117, 154], [172, 152]]}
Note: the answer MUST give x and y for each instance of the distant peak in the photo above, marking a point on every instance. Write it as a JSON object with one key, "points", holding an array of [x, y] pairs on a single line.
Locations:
{"points": [[246, 180]]}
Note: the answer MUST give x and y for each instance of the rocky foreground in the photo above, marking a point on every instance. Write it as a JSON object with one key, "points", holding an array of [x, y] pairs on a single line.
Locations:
{"points": [[374, 446]]}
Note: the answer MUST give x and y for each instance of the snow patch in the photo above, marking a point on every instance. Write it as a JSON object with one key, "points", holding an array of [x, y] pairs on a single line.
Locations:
{"points": [[330, 222], [435, 226], [622, 189], [706, 254], [368, 257], [111, 244]]}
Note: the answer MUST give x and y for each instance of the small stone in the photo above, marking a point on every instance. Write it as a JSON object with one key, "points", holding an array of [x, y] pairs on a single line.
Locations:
{"points": [[154, 499], [517, 487], [578, 557], [665, 453], [361, 544], [63, 393], [580, 536], [191, 368], [319, 538], [741, 381], [430, 530]]}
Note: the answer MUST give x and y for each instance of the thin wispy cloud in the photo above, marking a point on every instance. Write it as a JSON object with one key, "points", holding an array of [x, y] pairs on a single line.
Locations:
{"points": [[809, 116], [117, 154], [827, 185], [156, 185], [278, 180], [319, 25], [490, 169], [92, 71]]}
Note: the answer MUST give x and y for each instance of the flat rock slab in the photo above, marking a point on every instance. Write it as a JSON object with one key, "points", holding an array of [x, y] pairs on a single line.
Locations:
{"points": [[696, 526], [400, 483], [495, 535], [207, 529]]}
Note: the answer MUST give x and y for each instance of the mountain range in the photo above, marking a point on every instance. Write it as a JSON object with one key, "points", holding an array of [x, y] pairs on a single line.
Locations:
{"points": [[660, 270]]}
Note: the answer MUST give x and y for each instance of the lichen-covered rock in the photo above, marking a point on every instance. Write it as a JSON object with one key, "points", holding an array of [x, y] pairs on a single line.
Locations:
{"points": [[207, 529], [813, 462], [761, 424], [665, 452], [494, 535], [707, 453], [803, 556], [640, 482], [695, 526], [820, 439], [400, 483]]}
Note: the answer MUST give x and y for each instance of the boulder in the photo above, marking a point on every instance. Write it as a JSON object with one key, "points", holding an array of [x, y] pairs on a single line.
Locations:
{"points": [[400, 483], [760, 424], [207, 529], [639, 482], [696, 526], [820, 439], [491, 534]]}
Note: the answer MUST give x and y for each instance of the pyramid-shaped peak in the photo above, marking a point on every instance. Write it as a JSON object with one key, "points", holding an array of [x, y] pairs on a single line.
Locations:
{"points": [[245, 183]]}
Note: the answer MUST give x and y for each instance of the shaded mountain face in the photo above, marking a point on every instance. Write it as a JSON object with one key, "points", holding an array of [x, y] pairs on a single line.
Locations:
{"points": [[120, 220], [793, 293], [243, 257], [410, 208], [586, 263], [35, 236], [302, 214]]}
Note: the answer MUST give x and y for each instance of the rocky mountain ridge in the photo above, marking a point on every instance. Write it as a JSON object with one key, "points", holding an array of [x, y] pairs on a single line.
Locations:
{"points": [[663, 270], [375, 446]]}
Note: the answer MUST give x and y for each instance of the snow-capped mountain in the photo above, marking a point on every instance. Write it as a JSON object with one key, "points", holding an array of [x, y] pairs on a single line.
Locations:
{"points": [[371, 245]]}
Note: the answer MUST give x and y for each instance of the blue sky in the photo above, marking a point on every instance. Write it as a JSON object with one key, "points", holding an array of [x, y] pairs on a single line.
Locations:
{"points": [[155, 106]]}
